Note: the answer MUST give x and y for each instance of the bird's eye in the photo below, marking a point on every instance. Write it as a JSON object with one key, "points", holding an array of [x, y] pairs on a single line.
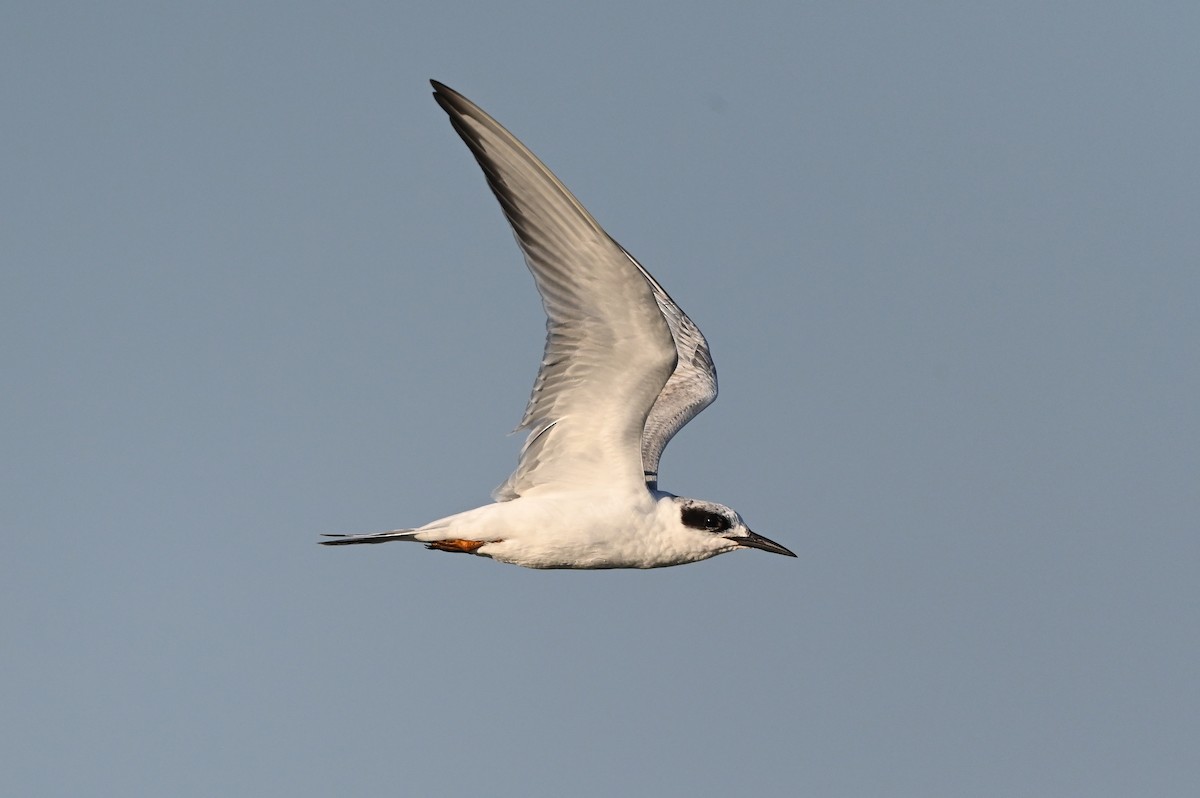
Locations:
{"points": [[697, 518]]}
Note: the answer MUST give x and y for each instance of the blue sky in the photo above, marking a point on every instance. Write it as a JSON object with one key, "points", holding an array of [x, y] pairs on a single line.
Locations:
{"points": [[254, 289]]}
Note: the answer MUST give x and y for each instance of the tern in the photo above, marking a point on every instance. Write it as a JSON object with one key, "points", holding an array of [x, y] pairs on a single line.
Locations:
{"points": [[623, 370]]}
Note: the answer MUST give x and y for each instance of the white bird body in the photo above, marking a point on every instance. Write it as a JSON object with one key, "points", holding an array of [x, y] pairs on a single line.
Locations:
{"points": [[623, 370], [571, 530]]}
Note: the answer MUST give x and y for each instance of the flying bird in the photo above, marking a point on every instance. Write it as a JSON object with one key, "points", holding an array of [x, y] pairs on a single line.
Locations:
{"points": [[623, 370]]}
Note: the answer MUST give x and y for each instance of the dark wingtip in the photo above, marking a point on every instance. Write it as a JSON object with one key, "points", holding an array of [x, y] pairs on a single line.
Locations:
{"points": [[455, 105], [447, 97]]}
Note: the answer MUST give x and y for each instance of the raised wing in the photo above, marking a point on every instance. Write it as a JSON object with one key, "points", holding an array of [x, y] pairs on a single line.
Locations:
{"points": [[691, 387], [609, 348]]}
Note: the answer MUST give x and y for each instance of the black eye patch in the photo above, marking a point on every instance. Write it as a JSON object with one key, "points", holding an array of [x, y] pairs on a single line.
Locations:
{"points": [[698, 518]]}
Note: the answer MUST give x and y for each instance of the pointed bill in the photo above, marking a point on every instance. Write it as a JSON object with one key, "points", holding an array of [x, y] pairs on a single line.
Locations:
{"points": [[756, 541]]}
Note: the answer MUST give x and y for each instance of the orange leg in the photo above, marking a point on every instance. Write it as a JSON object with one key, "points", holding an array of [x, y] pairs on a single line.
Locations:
{"points": [[457, 544]]}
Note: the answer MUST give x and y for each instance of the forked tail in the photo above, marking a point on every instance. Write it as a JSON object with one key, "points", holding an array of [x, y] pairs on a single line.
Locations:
{"points": [[378, 537]]}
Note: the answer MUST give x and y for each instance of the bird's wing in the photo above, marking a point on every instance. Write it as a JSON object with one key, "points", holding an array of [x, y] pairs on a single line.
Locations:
{"points": [[609, 348], [691, 387]]}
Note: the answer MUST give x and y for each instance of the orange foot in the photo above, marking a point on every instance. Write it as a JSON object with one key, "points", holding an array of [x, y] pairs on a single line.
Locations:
{"points": [[457, 544]]}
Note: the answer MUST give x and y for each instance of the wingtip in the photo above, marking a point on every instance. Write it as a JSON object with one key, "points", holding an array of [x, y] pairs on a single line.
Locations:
{"points": [[442, 92], [451, 101]]}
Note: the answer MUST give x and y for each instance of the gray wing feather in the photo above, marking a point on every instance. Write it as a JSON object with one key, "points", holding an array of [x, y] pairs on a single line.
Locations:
{"points": [[609, 350], [691, 387]]}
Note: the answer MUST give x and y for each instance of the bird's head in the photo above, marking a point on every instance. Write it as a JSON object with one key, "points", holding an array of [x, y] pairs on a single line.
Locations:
{"points": [[725, 528]]}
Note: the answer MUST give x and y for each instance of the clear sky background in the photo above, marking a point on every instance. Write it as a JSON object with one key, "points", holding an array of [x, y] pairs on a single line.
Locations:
{"points": [[253, 288]]}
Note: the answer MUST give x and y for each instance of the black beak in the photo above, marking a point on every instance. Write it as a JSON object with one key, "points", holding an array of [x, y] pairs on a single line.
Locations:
{"points": [[756, 541]]}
